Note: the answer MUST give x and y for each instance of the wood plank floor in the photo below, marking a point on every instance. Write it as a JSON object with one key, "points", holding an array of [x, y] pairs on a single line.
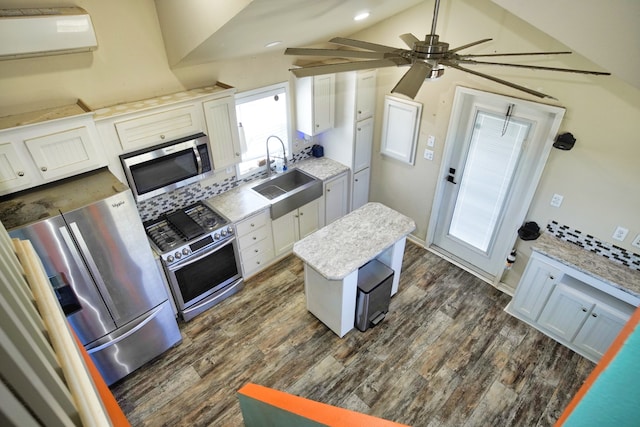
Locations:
{"points": [[446, 355]]}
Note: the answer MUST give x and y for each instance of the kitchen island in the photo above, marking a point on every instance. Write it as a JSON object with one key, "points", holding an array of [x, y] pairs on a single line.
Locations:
{"points": [[333, 255]]}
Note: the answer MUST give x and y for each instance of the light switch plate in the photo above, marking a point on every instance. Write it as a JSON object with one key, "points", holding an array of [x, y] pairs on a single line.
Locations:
{"points": [[556, 200], [428, 154], [636, 241], [431, 140]]}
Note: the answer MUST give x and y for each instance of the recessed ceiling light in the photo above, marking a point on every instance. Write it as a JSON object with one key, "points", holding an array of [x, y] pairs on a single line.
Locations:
{"points": [[361, 16], [272, 44]]}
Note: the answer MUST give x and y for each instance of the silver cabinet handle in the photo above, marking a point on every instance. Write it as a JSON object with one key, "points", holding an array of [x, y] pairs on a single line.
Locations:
{"points": [[43, 168], [20, 173]]}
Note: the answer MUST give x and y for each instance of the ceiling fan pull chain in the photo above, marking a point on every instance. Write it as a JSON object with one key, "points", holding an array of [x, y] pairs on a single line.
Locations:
{"points": [[507, 118]]}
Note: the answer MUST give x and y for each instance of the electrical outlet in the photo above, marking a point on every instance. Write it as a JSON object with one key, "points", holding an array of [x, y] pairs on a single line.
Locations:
{"points": [[428, 154], [636, 241], [620, 233], [431, 141], [556, 200]]}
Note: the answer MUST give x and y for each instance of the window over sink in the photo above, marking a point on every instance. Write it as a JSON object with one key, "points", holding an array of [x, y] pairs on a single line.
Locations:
{"points": [[262, 112]]}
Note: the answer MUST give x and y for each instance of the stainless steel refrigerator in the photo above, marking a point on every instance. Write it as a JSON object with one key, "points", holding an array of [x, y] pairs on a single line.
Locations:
{"points": [[89, 236]]}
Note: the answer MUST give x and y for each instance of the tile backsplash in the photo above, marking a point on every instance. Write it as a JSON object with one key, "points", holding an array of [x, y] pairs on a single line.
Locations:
{"points": [[182, 197], [590, 243]]}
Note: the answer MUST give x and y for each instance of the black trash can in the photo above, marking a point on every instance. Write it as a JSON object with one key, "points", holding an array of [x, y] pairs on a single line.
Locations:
{"points": [[374, 293]]}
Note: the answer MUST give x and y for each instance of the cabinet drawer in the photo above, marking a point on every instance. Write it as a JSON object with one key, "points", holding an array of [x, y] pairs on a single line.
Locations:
{"points": [[252, 223], [159, 127], [260, 260], [250, 239], [257, 250]]}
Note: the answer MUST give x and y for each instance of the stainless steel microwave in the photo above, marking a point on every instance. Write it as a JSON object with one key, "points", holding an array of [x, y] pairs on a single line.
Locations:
{"points": [[162, 168]]}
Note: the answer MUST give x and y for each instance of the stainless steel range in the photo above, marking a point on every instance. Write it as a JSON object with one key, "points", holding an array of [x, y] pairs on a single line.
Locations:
{"points": [[199, 253]]}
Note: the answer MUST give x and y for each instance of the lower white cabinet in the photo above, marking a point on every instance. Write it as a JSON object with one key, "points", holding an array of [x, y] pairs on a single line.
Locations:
{"points": [[294, 226], [568, 306], [255, 242], [336, 198], [360, 188]]}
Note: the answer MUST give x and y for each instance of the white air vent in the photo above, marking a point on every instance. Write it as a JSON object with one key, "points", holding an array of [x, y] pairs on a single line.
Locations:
{"points": [[45, 31]]}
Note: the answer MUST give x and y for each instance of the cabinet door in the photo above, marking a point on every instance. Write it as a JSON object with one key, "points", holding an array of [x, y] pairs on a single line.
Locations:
{"points": [[335, 199], [323, 102], [308, 219], [222, 127], [565, 312], [363, 144], [599, 330], [284, 232], [155, 128], [64, 153], [13, 172], [535, 286], [360, 189], [365, 94]]}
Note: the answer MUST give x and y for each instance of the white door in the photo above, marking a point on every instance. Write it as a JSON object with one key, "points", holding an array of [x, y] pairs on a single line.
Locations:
{"points": [[495, 152]]}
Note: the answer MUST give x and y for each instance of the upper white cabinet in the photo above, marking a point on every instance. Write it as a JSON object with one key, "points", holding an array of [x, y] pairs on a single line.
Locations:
{"points": [[400, 128], [43, 152], [573, 308], [222, 128], [351, 141], [140, 124], [315, 103], [144, 130]]}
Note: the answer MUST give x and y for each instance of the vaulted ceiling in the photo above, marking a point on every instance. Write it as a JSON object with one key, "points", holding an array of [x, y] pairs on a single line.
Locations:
{"points": [[200, 31]]}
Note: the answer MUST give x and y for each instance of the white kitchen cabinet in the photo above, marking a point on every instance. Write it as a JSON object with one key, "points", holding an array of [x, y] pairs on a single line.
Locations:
{"points": [[360, 188], [400, 129], [315, 103], [336, 194], [144, 130], [255, 243], [43, 152], [537, 282], [294, 226], [570, 306], [222, 128], [14, 172], [351, 141]]}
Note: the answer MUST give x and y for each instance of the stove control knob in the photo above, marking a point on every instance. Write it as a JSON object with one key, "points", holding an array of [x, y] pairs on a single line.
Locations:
{"points": [[178, 255], [185, 251], [170, 258], [230, 230], [216, 236], [224, 232]]}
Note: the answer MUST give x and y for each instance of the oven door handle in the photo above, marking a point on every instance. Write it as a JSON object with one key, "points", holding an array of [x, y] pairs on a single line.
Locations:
{"points": [[196, 153], [204, 254]]}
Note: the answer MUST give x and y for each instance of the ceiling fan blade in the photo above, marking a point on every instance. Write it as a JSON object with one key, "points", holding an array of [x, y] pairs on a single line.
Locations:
{"points": [[338, 53], [464, 46], [512, 54], [534, 67], [497, 80], [317, 70], [364, 45], [412, 80], [409, 39]]}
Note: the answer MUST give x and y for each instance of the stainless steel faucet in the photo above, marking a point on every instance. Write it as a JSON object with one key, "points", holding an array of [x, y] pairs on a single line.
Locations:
{"points": [[284, 155]]}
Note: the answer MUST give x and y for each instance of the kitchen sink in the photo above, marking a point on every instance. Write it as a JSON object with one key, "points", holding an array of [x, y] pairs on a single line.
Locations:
{"points": [[288, 191]]}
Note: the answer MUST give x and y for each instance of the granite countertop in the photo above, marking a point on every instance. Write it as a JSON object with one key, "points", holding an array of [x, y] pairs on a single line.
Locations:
{"points": [[572, 255], [242, 201], [348, 243]]}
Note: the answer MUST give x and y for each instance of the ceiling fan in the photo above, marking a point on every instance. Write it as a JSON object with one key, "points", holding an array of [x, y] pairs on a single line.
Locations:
{"points": [[427, 59]]}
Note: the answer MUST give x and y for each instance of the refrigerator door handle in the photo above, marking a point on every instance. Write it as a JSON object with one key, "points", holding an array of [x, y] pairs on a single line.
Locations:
{"points": [[125, 332], [91, 264]]}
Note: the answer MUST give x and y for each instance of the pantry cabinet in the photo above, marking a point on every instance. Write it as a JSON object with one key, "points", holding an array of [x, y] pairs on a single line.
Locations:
{"points": [[315, 103], [573, 308], [336, 192], [255, 242], [294, 226], [44, 152], [351, 140]]}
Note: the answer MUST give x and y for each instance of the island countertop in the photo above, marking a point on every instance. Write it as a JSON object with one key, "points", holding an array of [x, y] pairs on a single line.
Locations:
{"points": [[348, 243]]}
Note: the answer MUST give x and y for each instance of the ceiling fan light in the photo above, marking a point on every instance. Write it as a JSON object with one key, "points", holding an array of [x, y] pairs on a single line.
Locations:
{"points": [[361, 16], [436, 72]]}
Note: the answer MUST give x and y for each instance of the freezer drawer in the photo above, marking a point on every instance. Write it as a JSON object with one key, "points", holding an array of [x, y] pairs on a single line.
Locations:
{"points": [[131, 346]]}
